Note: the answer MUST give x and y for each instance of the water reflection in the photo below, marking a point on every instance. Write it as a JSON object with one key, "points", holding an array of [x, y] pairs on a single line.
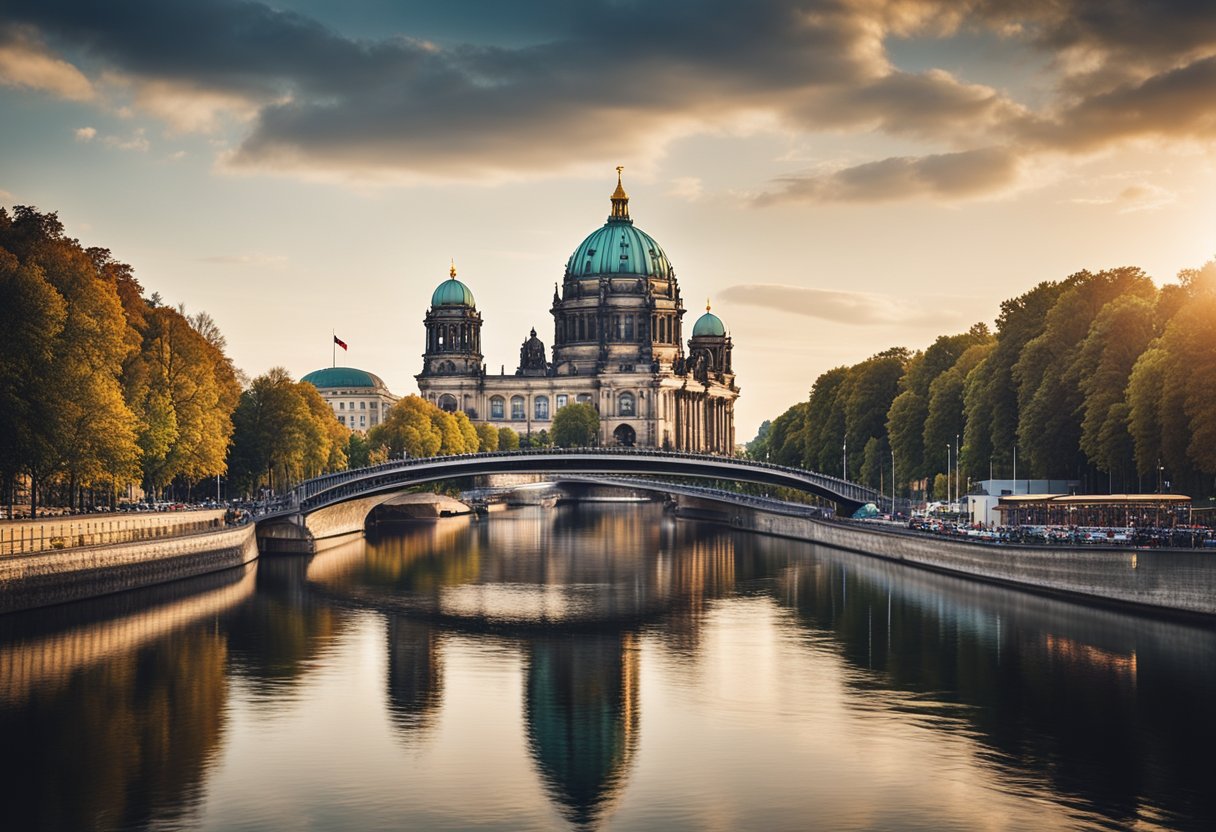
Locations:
{"points": [[415, 675], [581, 713], [112, 715], [493, 673]]}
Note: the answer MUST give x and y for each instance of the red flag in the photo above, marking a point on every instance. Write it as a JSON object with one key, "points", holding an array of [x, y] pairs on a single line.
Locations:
{"points": [[339, 342]]}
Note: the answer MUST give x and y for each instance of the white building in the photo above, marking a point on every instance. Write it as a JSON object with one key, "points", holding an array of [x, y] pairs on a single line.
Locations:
{"points": [[360, 400]]}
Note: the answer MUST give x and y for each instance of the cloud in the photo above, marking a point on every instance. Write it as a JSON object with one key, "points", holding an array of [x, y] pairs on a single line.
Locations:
{"points": [[844, 307], [590, 86], [24, 62], [950, 176], [137, 141], [1142, 196], [85, 134]]}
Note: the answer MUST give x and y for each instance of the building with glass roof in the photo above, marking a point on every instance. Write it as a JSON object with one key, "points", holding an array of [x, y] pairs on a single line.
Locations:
{"points": [[617, 344]]}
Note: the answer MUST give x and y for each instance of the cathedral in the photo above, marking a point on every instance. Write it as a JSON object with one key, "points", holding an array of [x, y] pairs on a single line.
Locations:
{"points": [[618, 345]]}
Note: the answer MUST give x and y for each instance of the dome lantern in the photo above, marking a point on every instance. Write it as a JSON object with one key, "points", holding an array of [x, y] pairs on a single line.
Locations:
{"points": [[620, 200]]}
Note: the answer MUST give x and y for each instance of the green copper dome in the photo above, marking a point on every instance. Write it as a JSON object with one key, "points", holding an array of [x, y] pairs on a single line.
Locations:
{"points": [[345, 377], [709, 324], [452, 292], [619, 248]]}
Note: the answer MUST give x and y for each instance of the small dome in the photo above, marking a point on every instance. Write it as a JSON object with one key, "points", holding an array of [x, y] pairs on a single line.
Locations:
{"points": [[452, 292], [709, 324], [345, 377]]}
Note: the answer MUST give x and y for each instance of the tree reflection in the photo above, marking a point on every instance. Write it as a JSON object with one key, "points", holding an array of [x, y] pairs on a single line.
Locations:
{"points": [[415, 675]]}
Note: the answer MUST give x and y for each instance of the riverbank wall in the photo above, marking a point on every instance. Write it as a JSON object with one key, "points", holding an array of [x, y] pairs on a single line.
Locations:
{"points": [[55, 577], [1168, 580], [54, 533]]}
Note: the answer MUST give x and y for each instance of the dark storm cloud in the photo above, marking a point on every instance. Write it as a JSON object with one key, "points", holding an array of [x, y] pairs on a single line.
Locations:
{"points": [[615, 78]]}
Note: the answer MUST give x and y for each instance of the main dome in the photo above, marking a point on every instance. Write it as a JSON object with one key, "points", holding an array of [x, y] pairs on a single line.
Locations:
{"points": [[349, 377], [619, 247]]}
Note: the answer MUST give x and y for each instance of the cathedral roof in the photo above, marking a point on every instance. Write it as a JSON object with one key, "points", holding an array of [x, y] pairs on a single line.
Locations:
{"points": [[345, 377], [709, 324], [619, 247], [452, 292]]}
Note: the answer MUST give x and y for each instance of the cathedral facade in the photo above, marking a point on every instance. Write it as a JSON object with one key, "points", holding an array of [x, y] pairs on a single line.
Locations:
{"points": [[618, 345]]}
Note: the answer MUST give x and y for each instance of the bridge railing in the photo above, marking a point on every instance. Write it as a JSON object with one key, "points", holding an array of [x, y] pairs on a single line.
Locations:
{"points": [[844, 488]]}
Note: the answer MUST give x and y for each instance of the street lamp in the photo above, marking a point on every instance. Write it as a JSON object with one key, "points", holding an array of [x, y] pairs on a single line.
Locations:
{"points": [[947, 476], [844, 459]]}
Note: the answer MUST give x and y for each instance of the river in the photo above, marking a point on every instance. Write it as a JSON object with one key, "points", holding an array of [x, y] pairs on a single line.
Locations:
{"points": [[600, 666]]}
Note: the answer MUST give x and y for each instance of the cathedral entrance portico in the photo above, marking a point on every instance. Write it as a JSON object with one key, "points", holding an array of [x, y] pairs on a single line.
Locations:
{"points": [[625, 436]]}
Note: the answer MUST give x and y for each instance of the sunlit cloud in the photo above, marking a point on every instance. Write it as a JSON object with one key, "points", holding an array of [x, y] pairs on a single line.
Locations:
{"points": [[85, 134], [841, 306], [1142, 196], [26, 63]]}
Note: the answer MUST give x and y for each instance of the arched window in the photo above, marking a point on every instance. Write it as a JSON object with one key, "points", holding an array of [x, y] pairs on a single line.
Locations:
{"points": [[541, 408], [497, 403], [625, 404], [517, 407], [447, 403], [584, 398]]}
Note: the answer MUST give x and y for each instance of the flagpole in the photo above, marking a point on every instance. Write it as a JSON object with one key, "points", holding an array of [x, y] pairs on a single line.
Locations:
{"points": [[334, 347]]}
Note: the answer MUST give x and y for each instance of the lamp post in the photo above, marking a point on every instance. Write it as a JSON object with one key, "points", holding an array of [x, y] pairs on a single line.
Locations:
{"points": [[892, 483], [947, 476], [844, 459], [958, 475]]}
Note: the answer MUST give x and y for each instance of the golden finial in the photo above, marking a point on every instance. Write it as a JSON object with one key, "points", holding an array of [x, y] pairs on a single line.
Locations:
{"points": [[452, 272], [620, 199], [707, 304]]}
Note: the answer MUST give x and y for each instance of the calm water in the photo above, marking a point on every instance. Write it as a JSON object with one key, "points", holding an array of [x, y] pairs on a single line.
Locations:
{"points": [[600, 667]]}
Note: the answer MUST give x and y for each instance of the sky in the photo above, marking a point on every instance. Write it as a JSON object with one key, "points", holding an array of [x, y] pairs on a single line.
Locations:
{"points": [[835, 177]]}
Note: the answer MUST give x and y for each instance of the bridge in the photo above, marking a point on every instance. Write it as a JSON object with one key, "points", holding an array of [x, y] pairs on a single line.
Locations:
{"points": [[339, 503]]}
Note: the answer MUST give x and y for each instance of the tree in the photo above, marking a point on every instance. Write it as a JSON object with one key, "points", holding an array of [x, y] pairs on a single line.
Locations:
{"points": [[1048, 372], [758, 447], [409, 429], [1118, 337], [487, 438], [575, 426], [508, 440]]}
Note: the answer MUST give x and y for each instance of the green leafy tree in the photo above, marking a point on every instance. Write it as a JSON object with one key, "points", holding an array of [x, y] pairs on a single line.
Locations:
{"points": [[1050, 400], [508, 440], [758, 447], [1118, 337], [487, 438], [576, 426]]}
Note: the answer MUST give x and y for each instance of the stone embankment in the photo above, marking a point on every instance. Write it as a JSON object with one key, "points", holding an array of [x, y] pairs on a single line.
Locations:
{"points": [[1174, 580], [23, 536], [48, 577]]}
